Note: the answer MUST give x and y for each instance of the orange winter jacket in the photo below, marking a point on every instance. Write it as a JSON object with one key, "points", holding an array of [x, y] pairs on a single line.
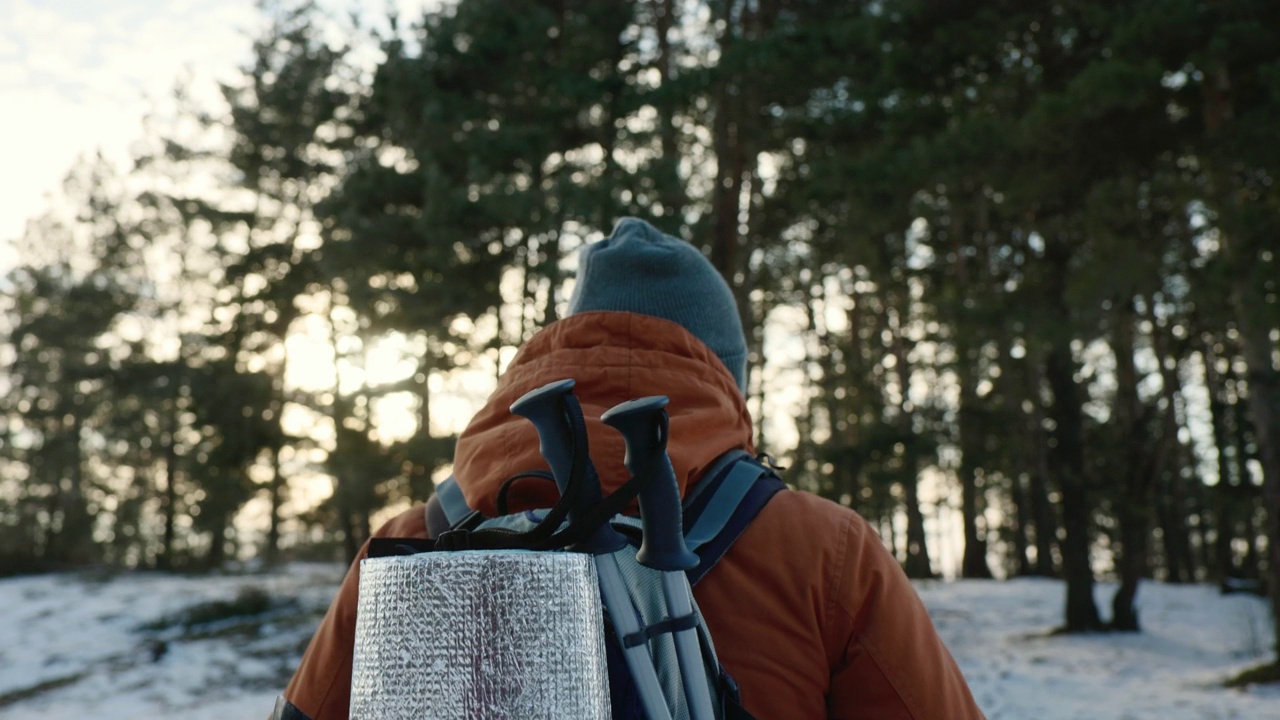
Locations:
{"points": [[808, 611]]}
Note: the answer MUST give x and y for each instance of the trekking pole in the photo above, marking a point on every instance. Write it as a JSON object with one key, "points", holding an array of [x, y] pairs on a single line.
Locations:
{"points": [[550, 409], [644, 425]]}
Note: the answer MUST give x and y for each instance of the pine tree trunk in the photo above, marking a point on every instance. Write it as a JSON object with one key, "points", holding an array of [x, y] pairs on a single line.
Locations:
{"points": [[1043, 514], [1132, 503], [278, 485], [672, 194], [1170, 460], [1133, 540], [1264, 409], [1247, 299], [77, 524], [1172, 502], [1200, 506], [1022, 564], [1020, 464], [1044, 518], [806, 468], [422, 470], [169, 506], [1067, 452], [918, 564], [974, 562], [1224, 522], [1224, 558], [889, 531], [853, 405], [343, 490], [1256, 532], [272, 552], [1244, 491], [217, 554], [1068, 459], [1176, 557]]}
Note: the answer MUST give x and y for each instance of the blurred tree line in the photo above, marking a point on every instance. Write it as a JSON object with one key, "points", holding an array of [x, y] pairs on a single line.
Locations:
{"points": [[1007, 263]]}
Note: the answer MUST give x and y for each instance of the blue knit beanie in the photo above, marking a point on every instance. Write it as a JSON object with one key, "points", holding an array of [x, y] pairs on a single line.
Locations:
{"points": [[638, 269]]}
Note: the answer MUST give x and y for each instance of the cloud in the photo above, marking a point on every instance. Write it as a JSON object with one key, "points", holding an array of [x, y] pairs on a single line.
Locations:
{"points": [[12, 75], [84, 73]]}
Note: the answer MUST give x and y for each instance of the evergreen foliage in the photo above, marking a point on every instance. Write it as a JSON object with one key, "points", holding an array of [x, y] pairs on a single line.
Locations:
{"points": [[1008, 270]]}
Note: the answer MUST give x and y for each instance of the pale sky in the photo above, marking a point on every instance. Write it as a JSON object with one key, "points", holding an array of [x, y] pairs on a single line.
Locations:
{"points": [[79, 75]]}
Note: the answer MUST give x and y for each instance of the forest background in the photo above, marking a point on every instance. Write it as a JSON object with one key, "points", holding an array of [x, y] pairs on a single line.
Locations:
{"points": [[1008, 273]]}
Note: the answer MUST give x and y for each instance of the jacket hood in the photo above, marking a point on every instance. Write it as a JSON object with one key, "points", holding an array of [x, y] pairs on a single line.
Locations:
{"points": [[613, 357]]}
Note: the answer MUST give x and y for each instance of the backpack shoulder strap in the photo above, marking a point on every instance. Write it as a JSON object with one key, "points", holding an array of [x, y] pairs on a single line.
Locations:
{"points": [[446, 508], [711, 478], [717, 515]]}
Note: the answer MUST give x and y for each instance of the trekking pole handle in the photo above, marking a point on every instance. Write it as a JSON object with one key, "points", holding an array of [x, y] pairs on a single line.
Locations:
{"points": [[643, 424], [544, 407], [548, 408]]}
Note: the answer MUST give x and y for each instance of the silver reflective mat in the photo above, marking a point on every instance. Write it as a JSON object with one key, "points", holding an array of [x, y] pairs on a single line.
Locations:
{"points": [[479, 635]]}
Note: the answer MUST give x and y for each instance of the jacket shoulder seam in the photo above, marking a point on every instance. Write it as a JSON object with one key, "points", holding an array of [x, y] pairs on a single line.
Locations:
{"points": [[908, 699], [835, 599]]}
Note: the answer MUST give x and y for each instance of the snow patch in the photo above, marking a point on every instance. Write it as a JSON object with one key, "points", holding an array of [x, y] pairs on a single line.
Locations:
{"points": [[117, 647]]}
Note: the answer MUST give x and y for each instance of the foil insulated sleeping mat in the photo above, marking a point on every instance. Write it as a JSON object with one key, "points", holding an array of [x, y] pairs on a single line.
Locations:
{"points": [[478, 635]]}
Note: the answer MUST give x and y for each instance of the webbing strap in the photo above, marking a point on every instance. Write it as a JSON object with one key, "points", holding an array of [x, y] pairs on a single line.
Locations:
{"points": [[286, 710], [734, 490], [721, 511], [452, 501], [723, 503], [732, 507], [710, 479], [662, 627]]}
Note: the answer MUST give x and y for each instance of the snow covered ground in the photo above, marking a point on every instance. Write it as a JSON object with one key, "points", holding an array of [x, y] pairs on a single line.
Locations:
{"points": [[152, 645], [120, 648], [1193, 638]]}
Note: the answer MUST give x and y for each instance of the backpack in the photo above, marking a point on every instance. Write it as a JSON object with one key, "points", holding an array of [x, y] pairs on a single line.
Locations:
{"points": [[661, 659]]}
